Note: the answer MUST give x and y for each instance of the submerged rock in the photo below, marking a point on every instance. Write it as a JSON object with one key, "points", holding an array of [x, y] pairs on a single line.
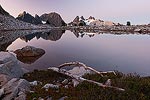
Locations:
{"points": [[29, 54], [28, 60], [29, 51]]}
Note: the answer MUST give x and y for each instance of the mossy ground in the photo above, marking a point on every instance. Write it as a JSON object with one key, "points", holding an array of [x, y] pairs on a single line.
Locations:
{"points": [[136, 87]]}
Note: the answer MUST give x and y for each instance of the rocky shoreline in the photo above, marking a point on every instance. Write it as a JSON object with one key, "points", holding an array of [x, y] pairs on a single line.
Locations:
{"points": [[52, 84], [141, 29]]}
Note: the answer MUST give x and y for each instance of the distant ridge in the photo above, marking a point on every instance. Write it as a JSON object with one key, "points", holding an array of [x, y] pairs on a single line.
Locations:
{"points": [[91, 21]]}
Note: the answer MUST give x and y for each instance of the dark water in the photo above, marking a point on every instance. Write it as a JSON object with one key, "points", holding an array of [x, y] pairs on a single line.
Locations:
{"points": [[128, 53]]}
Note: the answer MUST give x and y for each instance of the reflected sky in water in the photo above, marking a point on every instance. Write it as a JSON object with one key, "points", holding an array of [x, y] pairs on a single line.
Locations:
{"points": [[125, 53]]}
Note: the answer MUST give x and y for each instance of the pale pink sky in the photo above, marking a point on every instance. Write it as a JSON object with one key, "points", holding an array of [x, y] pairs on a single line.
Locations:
{"points": [[136, 11]]}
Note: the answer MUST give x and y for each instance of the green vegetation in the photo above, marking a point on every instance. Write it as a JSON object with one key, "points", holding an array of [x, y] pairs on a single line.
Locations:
{"points": [[137, 88], [44, 76]]}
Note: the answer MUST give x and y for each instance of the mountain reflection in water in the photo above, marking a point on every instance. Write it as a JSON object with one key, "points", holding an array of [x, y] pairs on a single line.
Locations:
{"points": [[125, 52], [7, 37], [52, 35]]}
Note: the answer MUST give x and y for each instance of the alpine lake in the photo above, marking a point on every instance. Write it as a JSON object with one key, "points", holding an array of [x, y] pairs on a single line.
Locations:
{"points": [[123, 52]]}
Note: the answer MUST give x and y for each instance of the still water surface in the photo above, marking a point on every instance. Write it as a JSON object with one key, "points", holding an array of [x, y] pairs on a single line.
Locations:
{"points": [[128, 53]]}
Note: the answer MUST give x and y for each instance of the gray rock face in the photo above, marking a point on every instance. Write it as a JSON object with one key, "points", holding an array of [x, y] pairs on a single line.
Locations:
{"points": [[76, 19], [4, 79], [10, 23], [9, 65], [11, 87], [38, 19], [26, 17], [29, 51], [3, 12], [15, 89], [53, 19]]}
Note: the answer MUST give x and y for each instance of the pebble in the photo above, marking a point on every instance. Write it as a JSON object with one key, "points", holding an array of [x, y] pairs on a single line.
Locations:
{"points": [[65, 81], [46, 86]]}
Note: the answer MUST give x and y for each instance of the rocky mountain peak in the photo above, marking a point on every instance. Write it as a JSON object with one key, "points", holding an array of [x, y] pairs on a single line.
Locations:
{"points": [[76, 19], [91, 21], [54, 19], [91, 18], [26, 17], [36, 16], [3, 12], [24, 12], [82, 18]]}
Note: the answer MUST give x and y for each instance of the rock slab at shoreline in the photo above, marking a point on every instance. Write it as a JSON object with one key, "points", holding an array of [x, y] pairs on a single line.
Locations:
{"points": [[12, 86], [9, 65]]}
